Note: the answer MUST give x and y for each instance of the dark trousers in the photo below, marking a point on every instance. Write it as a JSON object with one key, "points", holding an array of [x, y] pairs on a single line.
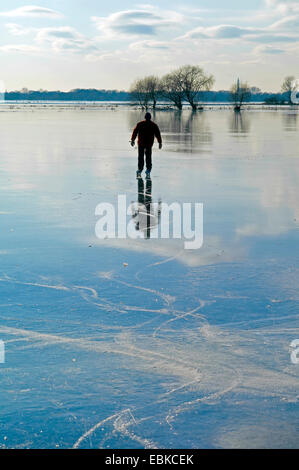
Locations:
{"points": [[148, 157]]}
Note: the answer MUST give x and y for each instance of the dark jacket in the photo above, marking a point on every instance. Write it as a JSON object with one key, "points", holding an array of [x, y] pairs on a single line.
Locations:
{"points": [[146, 132]]}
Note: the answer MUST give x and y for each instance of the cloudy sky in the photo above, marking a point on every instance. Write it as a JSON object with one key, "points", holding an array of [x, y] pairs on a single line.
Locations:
{"points": [[65, 44]]}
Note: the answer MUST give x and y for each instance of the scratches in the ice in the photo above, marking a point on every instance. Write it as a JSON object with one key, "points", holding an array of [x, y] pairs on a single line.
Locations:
{"points": [[106, 274], [156, 360], [158, 263], [182, 316], [91, 295], [88, 433], [121, 422], [184, 386], [185, 406], [35, 284], [169, 299], [124, 421], [89, 289], [188, 360]]}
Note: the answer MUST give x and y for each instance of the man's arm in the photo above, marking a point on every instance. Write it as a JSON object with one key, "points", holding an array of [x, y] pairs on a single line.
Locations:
{"points": [[158, 136], [134, 135]]}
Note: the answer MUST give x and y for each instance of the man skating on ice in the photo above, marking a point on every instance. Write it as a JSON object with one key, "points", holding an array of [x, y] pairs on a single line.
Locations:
{"points": [[146, 131]]}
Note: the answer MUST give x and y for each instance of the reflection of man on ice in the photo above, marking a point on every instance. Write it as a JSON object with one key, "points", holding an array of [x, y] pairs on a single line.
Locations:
{"points": [[145, 214], [146, 131]]}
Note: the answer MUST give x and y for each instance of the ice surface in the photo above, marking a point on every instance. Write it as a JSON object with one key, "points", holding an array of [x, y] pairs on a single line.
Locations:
{"points": [[129, 344]]}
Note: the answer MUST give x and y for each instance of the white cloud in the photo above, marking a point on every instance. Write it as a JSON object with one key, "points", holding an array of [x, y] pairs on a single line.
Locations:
{"points": [[149, 38], [220, 32], [284, 30], [143, 22], [18, 30], [265, 49], [62, 32], [286, 24], [31, 11], [65, 39], [149, 44], [282, 5], [59, 39], [22, 48]]}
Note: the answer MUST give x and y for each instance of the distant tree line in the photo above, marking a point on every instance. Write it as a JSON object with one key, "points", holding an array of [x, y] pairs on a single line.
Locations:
{"points": [[188, 84], [73, 95]]}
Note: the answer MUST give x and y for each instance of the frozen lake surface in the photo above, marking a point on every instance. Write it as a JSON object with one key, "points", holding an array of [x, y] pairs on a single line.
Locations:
{"points": [[178, 349]]}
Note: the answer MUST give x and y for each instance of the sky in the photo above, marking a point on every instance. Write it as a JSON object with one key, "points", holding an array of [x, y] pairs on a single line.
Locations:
{"points": [[67, 44]]}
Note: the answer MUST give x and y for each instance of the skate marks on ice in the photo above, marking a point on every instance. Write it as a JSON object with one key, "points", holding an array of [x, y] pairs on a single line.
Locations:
{"points": [[201, 363], [120, 424]]}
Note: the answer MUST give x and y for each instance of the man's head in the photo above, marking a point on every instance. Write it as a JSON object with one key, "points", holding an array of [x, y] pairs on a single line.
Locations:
{"points": [[148, 116]]}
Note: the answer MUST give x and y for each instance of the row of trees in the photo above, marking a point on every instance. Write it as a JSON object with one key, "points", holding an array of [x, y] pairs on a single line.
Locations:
{"points": [[189, 83], [77, 94], [186, 84], [183, 84], [241, 92]]}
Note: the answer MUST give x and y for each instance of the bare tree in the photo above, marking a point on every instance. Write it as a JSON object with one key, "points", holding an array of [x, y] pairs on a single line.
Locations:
{"points": [[172, 88], [288, 87], [240, 92], [152, 85], [146, 90], [139, 92], [193, 81]]}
